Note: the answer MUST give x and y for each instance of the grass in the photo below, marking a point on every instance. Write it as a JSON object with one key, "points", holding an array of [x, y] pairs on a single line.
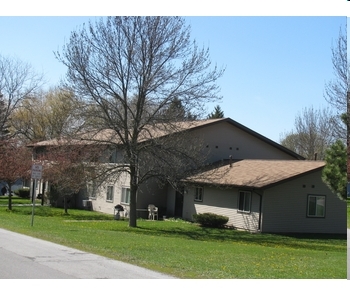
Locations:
{"points": [[183, 249]]}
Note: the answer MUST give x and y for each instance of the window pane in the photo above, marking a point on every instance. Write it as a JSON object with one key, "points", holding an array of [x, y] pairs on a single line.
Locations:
{"points": [[241, 201], [316, 206], [244, 201], [109, 193], [312, 205], [199, 194], [247, 202], [125, 195], [320, 202]]}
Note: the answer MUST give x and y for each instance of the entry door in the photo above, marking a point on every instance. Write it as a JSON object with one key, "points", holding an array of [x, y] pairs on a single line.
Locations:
{"points": [[179, 201]]}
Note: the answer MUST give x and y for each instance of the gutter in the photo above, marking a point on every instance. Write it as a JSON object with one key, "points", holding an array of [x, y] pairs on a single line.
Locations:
{"points": [[260, 210]]}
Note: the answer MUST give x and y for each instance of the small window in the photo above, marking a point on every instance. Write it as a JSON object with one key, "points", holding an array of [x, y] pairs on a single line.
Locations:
{"points": [[244, 201], [198, 194], [316, 206], [110, 193], [125, 195], [91, 190], [113, 156]]}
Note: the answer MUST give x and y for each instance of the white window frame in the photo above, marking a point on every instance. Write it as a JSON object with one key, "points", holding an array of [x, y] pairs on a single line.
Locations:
{"points": [[198, 194], [125, 199], [110, 193], [319, 204], [246, 206]]}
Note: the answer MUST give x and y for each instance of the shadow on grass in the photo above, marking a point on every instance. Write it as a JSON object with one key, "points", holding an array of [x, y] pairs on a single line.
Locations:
{"points": [[328, 242]]}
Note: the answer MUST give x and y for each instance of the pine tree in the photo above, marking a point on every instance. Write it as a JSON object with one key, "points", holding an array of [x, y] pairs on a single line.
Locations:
{"points": [[334, 173], [217, 113]]}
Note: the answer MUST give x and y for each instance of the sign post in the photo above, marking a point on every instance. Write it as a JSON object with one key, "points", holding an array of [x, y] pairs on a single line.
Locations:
{"points": [[36, 175]]}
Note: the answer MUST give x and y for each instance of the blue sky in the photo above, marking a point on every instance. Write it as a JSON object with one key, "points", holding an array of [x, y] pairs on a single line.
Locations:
{"points": [[275, 66]]}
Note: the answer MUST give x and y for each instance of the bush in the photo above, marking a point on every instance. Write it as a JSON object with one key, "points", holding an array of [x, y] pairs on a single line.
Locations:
{"points": [[210, 219], [23, 192]]}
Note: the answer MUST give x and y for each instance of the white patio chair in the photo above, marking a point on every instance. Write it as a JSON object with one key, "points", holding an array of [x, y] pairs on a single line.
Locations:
{"points": [[152, 212]]}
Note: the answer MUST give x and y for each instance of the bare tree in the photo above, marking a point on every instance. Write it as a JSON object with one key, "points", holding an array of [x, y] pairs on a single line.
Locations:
{"points": [[313, 133], [48, 115], [337, 90], [18, 81], [128, 71]]}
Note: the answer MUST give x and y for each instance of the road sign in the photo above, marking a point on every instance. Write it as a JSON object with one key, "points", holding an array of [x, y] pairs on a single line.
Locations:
{"points": [[37, 170]]}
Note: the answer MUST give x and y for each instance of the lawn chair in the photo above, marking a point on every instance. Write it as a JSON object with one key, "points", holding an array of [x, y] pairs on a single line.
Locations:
{"points": [[152, 212]]}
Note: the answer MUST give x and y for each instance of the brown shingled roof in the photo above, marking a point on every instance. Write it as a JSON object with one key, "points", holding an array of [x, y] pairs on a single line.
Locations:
{"points": [[159, 130], [255, 173], [149, 132]]}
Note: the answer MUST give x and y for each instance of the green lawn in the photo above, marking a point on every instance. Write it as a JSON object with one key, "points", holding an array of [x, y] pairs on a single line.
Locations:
{"points": [[183, 249]]}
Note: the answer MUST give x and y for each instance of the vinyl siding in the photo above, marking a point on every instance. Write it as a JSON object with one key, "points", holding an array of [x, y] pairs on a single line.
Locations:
{"points": [[223, 202], [223, 139], [284, 208], [100, 204]]}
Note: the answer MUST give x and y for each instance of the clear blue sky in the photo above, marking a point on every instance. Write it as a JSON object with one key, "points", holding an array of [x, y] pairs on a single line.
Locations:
{"points": [[275, 66]]}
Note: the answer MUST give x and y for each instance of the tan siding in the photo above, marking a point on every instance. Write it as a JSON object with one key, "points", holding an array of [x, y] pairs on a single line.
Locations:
{"points": [[224, 139], [223, 202], [100, 204], [285, 207]]}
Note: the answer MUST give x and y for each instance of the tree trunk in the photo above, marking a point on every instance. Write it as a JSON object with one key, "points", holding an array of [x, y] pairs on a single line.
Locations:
{"points": [[133, 197], [10, 197], [43, 193], [65, 204]]}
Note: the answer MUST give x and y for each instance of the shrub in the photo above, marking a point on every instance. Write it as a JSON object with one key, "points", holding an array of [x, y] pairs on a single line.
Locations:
{"points": [[209, 219], [23, 192]]}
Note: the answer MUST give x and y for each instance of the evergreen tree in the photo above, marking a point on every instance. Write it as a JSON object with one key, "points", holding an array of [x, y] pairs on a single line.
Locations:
{"points": [[334, 173], [217, 113]]}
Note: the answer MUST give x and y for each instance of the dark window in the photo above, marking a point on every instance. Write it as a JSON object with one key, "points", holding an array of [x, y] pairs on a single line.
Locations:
{"points": [[244, 201]]}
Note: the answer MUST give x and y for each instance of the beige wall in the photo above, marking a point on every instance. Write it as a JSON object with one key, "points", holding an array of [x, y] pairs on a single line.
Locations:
{"points": [[222, 202], [224, 139], [100, 203], [147, 194]]}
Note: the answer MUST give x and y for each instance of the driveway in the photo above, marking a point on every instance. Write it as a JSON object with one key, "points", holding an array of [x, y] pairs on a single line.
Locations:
{"points": [[24, 257]]}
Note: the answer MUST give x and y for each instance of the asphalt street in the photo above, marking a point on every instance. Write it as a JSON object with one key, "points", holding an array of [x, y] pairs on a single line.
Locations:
{"points": [[24, 257]]}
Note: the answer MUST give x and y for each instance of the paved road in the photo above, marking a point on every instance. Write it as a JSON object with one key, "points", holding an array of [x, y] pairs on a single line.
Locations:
{"points": [[24, 257]]}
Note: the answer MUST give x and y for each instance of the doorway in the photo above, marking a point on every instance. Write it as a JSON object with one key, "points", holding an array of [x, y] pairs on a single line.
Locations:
{"points": [[179, 201]]}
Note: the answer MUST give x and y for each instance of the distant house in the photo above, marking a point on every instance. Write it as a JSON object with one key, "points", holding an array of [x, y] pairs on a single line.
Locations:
{"points": [[267, 188]]}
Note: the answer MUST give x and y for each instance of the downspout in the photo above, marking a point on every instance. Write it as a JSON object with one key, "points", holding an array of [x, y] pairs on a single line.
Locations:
{"points": [[260, 210]]}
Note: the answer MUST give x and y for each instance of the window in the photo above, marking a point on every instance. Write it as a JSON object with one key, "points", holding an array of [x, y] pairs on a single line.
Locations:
{"points": [[110, 193], [113, 156], [316, 206], [244, 201], [198, 196], [125, 195], [91, 189]]}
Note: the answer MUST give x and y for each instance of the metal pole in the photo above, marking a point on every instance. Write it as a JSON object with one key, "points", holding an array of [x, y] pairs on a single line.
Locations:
{"points": [[33, 202]]}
